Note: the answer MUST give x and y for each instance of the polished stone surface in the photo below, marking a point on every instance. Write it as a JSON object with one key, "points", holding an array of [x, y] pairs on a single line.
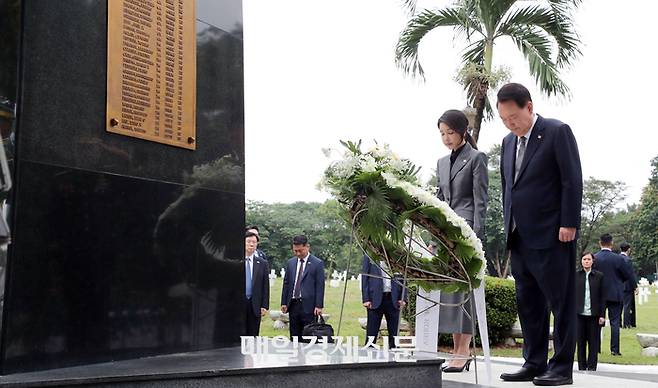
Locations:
{"points": [[108, 266], [63, 108], [318, 367], [9, 38], [122, 248]]}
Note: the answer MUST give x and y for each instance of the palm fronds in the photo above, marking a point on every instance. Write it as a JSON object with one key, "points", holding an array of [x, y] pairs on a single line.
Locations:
{"points": [[406, 52]]}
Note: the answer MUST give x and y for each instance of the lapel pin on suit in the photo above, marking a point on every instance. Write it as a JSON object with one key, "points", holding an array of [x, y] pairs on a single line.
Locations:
{"points": [[538, 136]]}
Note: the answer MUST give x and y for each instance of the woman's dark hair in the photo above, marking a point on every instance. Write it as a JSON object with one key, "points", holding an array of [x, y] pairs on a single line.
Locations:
{"points": [[458, 122], [590, 254]]}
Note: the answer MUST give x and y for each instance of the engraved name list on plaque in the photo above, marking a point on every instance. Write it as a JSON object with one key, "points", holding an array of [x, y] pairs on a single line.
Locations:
{"points": [[151, 70]]}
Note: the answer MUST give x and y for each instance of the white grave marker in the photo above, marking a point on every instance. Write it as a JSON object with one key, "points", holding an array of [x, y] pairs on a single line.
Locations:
{"points": [[272, 277]]}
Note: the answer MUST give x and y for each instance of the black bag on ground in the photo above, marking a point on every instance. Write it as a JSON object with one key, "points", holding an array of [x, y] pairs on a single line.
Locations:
{"points": [[318, 329]]}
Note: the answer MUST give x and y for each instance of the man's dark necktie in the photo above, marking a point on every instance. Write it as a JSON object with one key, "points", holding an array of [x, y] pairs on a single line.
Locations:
{"points": [[297, 292], [519, 158], [247, 280], [517, 168]]}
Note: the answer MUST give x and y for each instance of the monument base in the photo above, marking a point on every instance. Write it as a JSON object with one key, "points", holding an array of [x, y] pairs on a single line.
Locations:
{"points": [[228, 367]]}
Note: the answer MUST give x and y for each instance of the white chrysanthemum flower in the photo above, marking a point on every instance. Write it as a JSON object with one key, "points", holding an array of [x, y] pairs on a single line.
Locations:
{"points": [[383, 152], [368, 163], [398, 165], [425, 197], [345, 168], [377, 152]]}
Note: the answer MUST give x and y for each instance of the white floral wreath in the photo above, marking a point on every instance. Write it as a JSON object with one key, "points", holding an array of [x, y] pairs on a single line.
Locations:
{"points": [[383, 198]]}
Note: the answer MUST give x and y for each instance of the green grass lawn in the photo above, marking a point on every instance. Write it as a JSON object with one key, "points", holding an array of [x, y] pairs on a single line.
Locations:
{"points": [[332, 299], [647, 322]]}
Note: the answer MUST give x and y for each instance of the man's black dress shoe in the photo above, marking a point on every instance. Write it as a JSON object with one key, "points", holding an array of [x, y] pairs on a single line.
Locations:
{"points": [[550, 378], [616, 354], [523, 374]]}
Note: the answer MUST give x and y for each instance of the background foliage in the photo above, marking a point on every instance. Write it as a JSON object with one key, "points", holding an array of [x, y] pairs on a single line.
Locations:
{"points": [[500, 299], [327, 232]]}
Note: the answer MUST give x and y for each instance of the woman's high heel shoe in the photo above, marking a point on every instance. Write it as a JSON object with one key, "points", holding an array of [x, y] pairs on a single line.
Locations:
{"points": [[454, 369]]}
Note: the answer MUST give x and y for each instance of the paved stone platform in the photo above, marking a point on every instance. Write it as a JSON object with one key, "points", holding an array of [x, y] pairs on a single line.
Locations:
{"points": [[228, 367], [607, 375]]}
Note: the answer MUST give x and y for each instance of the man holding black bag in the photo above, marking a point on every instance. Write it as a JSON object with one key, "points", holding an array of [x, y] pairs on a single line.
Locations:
{"points": [[302, 295]]}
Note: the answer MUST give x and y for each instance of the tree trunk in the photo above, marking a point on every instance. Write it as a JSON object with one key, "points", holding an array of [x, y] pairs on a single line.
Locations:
{"points": [[480, 104], [507, 261], [497, 264], [502, 266], [482, 89]]}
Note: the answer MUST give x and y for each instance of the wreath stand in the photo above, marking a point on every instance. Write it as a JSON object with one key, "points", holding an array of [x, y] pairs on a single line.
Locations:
{"points": [[477, 309]]}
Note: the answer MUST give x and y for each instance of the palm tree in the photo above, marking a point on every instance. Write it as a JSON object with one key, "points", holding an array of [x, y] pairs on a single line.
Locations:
{"points": [[542, 30]]}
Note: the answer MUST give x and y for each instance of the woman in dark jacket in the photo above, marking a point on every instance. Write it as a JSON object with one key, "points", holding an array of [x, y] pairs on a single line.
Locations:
{"points": [[590, 306]]}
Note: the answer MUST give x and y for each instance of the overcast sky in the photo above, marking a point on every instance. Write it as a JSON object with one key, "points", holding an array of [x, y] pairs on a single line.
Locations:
{"points": [[320, 71]]}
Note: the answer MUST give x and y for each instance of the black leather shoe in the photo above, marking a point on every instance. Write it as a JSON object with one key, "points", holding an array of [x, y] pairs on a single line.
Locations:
{"points": [[550, 378], [616, 354], [523, 374]]}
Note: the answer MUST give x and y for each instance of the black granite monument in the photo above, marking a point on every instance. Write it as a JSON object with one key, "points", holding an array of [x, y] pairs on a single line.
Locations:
{"points": [[121, 247]]}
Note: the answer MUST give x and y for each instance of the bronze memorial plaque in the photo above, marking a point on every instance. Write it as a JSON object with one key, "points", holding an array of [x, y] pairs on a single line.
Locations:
{"points": [[151, 70]]}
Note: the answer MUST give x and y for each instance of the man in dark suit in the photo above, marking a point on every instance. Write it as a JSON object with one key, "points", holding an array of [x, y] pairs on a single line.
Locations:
{"points": [[616, 272], [302, 295], [590, 305], [630, 289], [257, 286], [381, 296], [542, 194]]}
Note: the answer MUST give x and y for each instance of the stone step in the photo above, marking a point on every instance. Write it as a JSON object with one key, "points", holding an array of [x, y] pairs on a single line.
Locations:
{"points": [[647, 340]]}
